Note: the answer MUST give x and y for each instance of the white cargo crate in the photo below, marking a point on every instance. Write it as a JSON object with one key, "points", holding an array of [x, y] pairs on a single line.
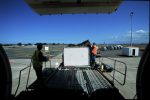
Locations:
{"points": [[130, 51], [77, 56]]}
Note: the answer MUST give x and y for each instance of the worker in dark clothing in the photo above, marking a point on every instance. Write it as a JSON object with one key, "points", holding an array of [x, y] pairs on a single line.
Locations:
{"points": [[37, 60]]}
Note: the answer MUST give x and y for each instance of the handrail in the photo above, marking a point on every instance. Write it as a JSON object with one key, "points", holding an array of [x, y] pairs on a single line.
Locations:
{"points": [[19, 79], [114, 70], [50, 61], [28, 75]]}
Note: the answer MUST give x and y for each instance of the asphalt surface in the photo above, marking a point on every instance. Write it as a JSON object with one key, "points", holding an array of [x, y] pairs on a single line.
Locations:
{"points": [[27, 52], [114, 53]]}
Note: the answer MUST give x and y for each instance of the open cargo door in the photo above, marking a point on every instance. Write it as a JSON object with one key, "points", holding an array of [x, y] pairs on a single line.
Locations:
{"points": [[48, 7]]}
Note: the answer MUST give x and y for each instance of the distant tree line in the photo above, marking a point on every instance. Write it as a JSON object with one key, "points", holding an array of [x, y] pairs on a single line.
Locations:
{"points": [[18, 44], [40, 43], [28, 44]]}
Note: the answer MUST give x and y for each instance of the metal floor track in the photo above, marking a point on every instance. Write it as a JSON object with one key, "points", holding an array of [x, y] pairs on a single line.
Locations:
{"points": [[85, 83]]}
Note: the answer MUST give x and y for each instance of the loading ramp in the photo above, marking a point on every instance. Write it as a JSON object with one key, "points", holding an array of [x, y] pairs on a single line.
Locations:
{"points": [[71, 83], [74, 79]]}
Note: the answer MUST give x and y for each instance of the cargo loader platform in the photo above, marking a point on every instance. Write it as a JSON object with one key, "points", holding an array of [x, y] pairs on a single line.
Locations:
{"points": [[72, 83]]}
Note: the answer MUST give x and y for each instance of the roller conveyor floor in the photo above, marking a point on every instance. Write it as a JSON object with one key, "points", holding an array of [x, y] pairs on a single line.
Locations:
{"points": [[75, 83]]}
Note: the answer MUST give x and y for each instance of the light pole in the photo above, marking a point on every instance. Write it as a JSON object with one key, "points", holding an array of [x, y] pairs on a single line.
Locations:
{"points": [[131, 14]]}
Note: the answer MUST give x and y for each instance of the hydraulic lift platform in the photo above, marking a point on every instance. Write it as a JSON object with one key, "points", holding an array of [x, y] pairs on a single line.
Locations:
{"points": [[72, 83]]}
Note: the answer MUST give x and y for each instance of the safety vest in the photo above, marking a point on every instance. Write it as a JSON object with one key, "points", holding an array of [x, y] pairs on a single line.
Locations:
{"points": [[35, 59], [94, 50]]}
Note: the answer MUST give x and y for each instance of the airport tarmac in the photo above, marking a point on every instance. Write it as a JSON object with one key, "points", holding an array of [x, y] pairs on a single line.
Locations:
{"points": [[128, 90]]}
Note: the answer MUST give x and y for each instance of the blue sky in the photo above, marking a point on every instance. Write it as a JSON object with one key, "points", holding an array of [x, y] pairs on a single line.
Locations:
{"points": [[18, 23]]}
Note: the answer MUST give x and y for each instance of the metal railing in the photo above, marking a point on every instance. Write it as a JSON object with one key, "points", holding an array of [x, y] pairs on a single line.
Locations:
{"points": [[115, 70], [28, 76], [50, 61], [20, 73]]}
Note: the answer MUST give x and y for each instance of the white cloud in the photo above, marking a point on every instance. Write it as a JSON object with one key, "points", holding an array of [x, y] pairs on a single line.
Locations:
{"points": [[139, 36], [140, 31], [137, 33]]}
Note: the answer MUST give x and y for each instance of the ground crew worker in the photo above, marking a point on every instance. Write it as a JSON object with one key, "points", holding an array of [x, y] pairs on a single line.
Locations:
{"points": [[37, 60], [93, 55]]}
